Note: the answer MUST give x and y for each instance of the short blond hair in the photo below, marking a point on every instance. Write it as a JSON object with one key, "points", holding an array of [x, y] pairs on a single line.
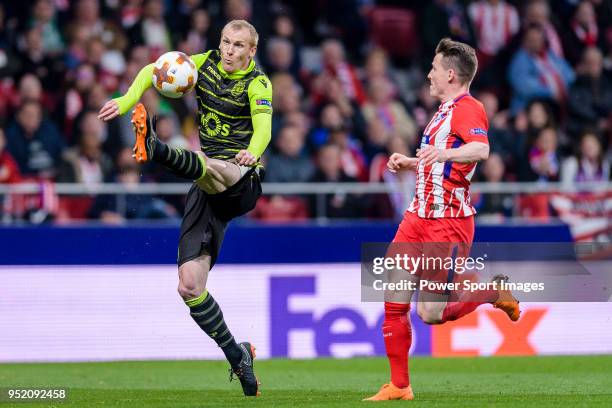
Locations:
{"points": [[240, 24]]}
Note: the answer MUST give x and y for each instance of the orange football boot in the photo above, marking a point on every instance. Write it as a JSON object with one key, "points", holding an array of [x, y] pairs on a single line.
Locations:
{"points": [[145, 134], [506, 302], [390, 392]]}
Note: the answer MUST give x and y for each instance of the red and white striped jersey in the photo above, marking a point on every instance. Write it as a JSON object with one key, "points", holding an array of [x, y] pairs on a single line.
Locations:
{"points": [[443, 189]]}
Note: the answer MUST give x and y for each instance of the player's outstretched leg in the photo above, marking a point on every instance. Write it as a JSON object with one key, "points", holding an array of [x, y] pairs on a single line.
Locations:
{"points": [[438, 312], [183, 163]]}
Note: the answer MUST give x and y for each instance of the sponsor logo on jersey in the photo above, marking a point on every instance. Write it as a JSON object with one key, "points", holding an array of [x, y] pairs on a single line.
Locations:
{"points": [[213, 126], [478, 131], [213, 72], [263, 102]]}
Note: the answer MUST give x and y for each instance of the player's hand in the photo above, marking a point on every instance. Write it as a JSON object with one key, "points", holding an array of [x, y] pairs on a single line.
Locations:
{"points": [[245, 158], [398, 162], [109, 111], [430, 155]]}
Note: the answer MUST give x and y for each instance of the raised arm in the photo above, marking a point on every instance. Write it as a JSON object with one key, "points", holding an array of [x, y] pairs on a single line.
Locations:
{"points": [[142, 82], [121, 105]]}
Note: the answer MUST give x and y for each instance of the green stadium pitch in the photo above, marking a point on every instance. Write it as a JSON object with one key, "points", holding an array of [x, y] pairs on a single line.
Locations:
{"points": [[569, 381]]}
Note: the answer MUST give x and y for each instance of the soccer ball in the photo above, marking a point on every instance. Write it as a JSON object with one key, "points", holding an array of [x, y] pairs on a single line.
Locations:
{"points": [[174, 74]]}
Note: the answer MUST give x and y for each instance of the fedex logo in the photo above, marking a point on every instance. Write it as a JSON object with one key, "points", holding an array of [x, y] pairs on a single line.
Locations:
{"points": [[508, 338], [283, 321]]}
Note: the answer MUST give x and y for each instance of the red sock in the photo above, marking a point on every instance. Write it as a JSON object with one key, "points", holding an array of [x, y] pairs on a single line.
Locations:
{"points": [[469, 303], [397, 334]]}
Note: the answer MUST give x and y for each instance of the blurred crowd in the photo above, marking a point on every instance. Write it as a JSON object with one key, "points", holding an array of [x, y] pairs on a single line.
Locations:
{"points": [[350, 87]]}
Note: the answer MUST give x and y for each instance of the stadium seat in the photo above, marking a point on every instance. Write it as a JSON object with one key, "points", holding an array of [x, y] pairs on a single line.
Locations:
{"points": [[394, 29]]}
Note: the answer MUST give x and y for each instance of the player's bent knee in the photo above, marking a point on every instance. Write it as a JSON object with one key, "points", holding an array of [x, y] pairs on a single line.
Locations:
{"points": [[430, 314], [188, 286], [189, 291]]}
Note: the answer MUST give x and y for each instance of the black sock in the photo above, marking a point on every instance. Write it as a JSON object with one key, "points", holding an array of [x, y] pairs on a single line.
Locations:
{"points": [[183, 163], [207, 314]]}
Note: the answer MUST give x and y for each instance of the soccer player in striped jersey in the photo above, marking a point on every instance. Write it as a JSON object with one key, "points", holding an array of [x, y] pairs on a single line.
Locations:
{"points": [[235, 119], [440, 220]]}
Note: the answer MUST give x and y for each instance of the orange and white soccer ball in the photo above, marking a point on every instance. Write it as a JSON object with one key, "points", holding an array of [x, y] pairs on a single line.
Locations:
{"points": [[174, 74]]}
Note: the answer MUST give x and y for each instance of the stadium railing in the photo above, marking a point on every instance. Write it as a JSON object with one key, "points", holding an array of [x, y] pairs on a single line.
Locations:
{"points": [[319, 190]]}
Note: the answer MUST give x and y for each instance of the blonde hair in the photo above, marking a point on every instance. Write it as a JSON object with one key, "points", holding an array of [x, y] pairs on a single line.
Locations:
{"points": [[240, 24]]}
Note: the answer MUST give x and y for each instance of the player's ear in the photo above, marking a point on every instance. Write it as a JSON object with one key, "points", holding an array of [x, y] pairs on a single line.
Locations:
{"points": [[252, 51], [450, 75]]}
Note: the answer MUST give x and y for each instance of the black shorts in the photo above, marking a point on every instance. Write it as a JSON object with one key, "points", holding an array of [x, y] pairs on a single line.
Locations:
{"points": [[207, 215]]}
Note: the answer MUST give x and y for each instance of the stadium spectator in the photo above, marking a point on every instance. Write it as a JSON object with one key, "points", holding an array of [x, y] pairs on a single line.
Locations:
{"points": [[382, 106], [110, 210], [284, 27], [9, 171], [44, 18], [335, 66], [35, 60], [537, 12], [376, 66], [589, 165], [87, 17], [501, 139], [445, 18], [278, 208], [349, 109], [401, 183], [590, 97], [289, 164], [196, 38], [330, 170], [34, 142], [281, 57], [543, 159], [494, 204], [352, 158], [86, 163], [495, 23], [285, 99], [330, 119], [425, 107], [152, 30], [30, 88], [536, 72], [378, 137], [131, 12], [582, 33], [74, 98]]}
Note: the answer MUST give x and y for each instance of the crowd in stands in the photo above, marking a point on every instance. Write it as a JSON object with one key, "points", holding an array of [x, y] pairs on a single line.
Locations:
{"points": [[349, 81]]}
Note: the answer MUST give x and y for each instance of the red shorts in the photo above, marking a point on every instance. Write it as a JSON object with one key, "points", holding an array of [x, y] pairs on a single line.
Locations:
{"points": [[433, 239]]}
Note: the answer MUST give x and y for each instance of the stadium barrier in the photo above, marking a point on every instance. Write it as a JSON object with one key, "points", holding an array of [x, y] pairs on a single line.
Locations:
{"points": [[109, 293], [533, 197]]}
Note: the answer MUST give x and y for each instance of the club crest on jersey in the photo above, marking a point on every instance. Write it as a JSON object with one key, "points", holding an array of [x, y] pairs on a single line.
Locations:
{"points": [[238, 88], [439, 117]]}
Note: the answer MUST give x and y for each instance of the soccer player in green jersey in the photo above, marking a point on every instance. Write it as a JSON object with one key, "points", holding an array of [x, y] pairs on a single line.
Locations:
{"points": [[235, 118]]}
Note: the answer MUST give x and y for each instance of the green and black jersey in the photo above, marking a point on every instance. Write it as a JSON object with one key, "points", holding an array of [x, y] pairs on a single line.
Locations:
{"points": [[234, 109], [227, 103]]}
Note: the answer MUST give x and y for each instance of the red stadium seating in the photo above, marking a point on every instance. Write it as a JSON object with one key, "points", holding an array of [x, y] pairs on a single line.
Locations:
{"points": [[394, 29]]}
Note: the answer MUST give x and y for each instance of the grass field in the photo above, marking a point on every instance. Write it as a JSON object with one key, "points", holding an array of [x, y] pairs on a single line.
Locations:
{"points": [[458, 382]]}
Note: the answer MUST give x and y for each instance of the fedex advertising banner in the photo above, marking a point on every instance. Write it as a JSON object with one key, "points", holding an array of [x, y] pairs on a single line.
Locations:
{"points": [[85, 313]]}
